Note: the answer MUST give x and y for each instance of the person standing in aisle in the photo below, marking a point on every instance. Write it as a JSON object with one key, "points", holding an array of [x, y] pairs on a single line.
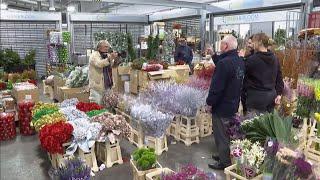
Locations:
{"points": [[224, 97], [263, 77], [100, 77], [183, 52]]}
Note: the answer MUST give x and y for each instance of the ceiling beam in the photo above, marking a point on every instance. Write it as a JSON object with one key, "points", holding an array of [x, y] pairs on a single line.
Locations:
{"points": [[169, 3]]}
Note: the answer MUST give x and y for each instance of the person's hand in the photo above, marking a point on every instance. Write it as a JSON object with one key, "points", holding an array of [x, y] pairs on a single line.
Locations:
{"points": [[277, 101], [208, 108]]}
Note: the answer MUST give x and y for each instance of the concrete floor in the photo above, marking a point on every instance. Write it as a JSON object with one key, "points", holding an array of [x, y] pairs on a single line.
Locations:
{"points": [[22, 158]]}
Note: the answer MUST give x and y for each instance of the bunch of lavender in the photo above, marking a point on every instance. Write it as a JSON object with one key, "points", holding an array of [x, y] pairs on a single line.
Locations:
{"points": [[74, 169], [154, 122]]}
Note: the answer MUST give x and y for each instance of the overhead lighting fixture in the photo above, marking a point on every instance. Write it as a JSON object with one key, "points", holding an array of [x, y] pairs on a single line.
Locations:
{"points": [[3, 6], [71, 9]]}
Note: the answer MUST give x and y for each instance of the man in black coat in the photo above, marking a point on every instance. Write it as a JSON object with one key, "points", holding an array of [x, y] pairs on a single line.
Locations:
{"points": [[224, 97], [183, 52]]}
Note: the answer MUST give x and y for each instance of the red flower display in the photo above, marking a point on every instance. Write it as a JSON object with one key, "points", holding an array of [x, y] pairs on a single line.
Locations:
{"points": [[180, 62], [52, 136], [3, 86], [205, 72], [86, 107], [32, 81], [7, 126], [25, 117]]}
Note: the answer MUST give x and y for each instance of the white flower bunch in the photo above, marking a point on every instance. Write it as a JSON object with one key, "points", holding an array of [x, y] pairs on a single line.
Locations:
{"points": [[255, 156], [72, 113]]}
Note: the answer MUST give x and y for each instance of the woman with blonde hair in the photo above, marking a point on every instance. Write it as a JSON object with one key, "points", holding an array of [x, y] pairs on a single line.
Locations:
{"points": [[263, 84]]}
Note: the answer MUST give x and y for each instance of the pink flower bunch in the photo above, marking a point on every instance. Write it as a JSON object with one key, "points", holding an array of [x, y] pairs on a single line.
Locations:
{"points": [[199, 83], [305, 90]]}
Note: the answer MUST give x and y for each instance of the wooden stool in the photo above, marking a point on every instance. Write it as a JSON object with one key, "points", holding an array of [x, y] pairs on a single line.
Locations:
{"points": [[89, 158], [158, 144]]}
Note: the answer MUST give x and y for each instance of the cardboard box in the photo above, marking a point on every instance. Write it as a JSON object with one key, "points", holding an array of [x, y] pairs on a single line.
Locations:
{"points": [[134, 81], [79, 93], [57, 83], [181, 71], [160, 75], [122, 70], [25, 91], [8, 103]]}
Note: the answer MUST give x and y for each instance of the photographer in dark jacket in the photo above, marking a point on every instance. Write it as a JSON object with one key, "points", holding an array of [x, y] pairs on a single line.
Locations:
{"points": [[263, 82], [183, 52], [224, 97]]}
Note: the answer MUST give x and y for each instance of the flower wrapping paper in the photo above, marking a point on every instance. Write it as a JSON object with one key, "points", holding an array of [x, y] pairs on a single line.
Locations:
{"points": [[112, 123], [7, 126], [25, 117], [69, 102], [72, 113], [154, 123], [84, 134]]}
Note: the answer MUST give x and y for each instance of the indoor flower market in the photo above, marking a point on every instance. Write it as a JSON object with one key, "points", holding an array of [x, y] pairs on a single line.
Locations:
{"points": [[160, 89]]}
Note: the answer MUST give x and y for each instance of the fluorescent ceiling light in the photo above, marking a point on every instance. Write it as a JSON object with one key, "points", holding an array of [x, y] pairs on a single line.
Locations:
{"points": [[71, 9], [4, 6]]}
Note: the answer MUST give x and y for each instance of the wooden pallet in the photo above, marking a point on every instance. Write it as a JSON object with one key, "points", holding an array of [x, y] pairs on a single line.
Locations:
{"points": [[159, 144], [89, 158], [231, 174], [109, 153], [141, 175], [157, 174]]}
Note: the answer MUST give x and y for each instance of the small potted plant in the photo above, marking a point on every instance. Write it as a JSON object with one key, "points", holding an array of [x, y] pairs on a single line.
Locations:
{"points": [[143, 161]]}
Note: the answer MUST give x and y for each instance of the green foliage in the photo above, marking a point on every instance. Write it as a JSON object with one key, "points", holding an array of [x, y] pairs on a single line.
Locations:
{"points": [[153, 47], [145, 158], [43, 112], [9, 58], [280, 37], [66, 36], [131, 50], [269, 125], [29, 59], [9, 85], [137, 63]]}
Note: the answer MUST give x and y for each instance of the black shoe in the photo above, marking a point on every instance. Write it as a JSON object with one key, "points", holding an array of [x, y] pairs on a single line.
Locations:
{"points": [[216, 158], [217, 166]]}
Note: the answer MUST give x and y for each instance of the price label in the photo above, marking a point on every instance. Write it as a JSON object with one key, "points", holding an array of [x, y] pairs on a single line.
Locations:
{"points": [[28, 97]]}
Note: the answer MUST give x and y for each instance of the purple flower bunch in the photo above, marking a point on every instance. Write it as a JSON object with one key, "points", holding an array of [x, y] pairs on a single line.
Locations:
{"points": [[234, 128], [189, 171], [305, 90], [174, 98], [271, 147], [74, 169], [303, 169], [198, 83]]}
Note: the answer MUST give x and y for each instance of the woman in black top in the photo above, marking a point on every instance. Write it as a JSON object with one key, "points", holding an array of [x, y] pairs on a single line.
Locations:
{"points": [[263, 84]]}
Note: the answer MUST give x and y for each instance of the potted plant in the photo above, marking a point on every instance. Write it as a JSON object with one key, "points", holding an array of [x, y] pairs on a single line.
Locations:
{"points": [[29, 59], [143, 161]]}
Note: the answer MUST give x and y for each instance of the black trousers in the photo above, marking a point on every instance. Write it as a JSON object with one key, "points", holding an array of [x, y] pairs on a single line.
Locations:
{"points": [[261, 101], [221, 138]]}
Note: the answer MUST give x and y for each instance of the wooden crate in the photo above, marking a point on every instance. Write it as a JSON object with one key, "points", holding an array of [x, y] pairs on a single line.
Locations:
{"points": [[58, 82], [204, 122], [188, 130], [231, 174], [310, 151], [141, 175], [89, 158], [159, 144], [175, 127], [157, 174], [137, 137], [109, 153]]}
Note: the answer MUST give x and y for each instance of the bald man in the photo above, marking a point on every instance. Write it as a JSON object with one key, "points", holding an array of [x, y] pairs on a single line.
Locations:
{"points": [[224, 98]]}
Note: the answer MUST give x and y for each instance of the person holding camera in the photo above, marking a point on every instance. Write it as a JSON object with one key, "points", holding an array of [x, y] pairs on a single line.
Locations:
{"points": [[100, 71]]}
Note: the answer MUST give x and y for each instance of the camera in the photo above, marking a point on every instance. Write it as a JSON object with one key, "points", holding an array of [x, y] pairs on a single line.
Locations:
{"points": [[122, 54]]}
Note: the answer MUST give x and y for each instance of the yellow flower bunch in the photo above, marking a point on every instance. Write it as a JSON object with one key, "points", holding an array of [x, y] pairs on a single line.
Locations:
{"points": [[317, 116]]}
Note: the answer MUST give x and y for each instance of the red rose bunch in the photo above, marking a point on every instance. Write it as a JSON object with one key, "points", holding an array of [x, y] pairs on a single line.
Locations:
{"points": [[86, 107], [52, 136], [7, 126], [32, 81], [152, 67], [25, 117]]}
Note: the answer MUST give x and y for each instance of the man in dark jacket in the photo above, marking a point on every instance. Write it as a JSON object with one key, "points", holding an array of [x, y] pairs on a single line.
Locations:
{"points": [[224, 97], [183, 52]]}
